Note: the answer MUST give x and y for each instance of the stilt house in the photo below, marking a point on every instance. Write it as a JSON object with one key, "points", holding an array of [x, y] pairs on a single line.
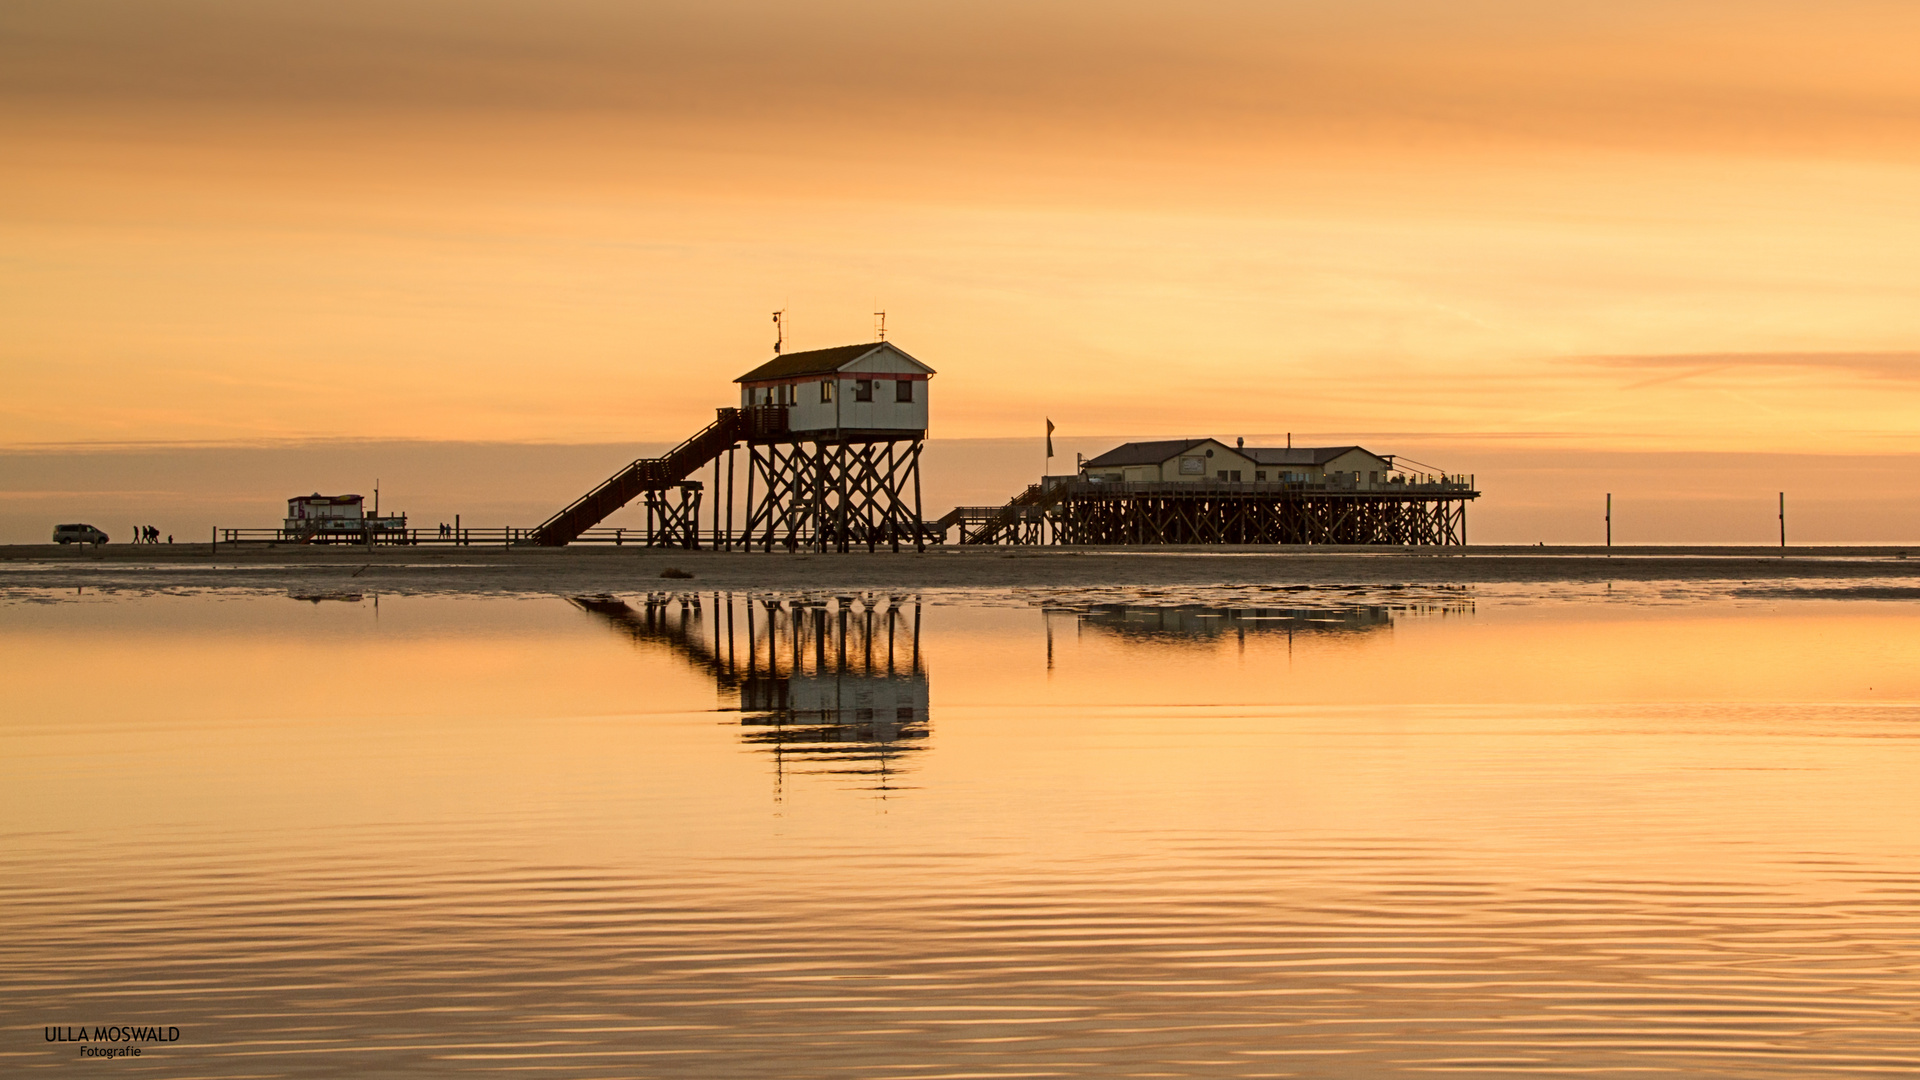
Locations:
{"points": [[849, 389]]}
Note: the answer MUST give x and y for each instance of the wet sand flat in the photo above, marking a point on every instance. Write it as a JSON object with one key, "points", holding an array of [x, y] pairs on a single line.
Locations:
{"points": [[1866, 572]]}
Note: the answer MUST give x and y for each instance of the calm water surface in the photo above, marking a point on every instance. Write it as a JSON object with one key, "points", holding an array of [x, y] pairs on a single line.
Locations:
{"points": [[1319, 833]]}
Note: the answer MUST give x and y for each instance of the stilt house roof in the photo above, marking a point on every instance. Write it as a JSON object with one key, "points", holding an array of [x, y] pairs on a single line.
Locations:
{"points": [[799, 365]]}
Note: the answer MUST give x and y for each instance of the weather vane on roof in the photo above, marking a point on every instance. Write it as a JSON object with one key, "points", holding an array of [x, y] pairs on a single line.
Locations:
{"points": [[779, 330], [880, 326]]}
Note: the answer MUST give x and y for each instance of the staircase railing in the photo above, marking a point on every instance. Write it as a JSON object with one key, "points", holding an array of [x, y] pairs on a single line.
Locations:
{"points": [[729, 427], [1036, 497]]}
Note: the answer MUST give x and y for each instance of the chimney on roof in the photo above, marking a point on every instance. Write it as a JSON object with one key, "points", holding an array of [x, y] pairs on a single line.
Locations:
{"points": [[1240, 443]]}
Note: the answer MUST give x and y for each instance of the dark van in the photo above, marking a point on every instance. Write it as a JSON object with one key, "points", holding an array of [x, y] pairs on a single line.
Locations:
{"points": [[78, 534]]}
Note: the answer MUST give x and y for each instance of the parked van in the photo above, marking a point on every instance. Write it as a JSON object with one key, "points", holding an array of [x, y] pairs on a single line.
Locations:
{"points": [[78, 534]]}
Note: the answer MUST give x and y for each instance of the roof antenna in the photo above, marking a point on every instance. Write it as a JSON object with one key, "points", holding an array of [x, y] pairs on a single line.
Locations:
{"points": [[779, 330], [880, 326]]}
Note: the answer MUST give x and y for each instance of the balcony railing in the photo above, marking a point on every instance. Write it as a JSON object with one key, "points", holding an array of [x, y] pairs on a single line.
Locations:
{"points": [[1422, 484]]}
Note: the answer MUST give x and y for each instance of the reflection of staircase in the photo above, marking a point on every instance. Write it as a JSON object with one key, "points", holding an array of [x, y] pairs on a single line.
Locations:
{"points": [[684, 632], [661, 473], [1018, 522]]}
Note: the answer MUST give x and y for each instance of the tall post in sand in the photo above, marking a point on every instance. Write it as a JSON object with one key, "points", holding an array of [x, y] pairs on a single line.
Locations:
{"points": [[729, 502], [1609, 519], [1783, 523]]}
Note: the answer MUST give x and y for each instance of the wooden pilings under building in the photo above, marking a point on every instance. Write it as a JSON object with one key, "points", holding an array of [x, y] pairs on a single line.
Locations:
{"points": [[834, 492], [1408, 510], [1154, 513]]}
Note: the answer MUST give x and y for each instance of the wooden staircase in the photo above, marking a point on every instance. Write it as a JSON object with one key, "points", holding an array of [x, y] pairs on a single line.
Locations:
{"points": [[729, 428]]}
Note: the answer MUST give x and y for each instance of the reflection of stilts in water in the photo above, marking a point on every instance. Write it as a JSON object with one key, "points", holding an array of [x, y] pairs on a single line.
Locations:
{"points": [[827, 686], [835, 686], [1162, 626], [1198, 623]]}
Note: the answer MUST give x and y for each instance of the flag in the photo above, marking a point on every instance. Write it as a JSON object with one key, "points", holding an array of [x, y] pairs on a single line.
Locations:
{"points": [[1049, 438]]}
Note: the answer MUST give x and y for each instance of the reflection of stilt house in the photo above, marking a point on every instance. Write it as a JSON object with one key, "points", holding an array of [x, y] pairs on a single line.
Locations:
{"points": [[825, 687], [1161, 626], [1194, 622]]}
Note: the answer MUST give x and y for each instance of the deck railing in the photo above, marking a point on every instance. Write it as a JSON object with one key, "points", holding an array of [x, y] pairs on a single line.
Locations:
{"points": [[502, 536], [1434, 484], [498, 536]]}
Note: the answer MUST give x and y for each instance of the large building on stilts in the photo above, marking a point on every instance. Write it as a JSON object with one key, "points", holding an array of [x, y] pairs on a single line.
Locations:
{"points": [[1204, 491]]}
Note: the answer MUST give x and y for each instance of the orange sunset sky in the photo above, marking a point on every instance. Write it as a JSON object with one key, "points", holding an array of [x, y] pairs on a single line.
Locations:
{"points": [[1646, 226]]}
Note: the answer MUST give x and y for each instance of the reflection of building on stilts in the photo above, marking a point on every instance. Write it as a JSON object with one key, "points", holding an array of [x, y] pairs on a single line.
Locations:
{"points": [[825, 686], [1198, 623]]}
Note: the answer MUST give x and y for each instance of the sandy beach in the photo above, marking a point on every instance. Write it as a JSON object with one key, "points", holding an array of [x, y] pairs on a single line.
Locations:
{"points": [[1868, 572]]}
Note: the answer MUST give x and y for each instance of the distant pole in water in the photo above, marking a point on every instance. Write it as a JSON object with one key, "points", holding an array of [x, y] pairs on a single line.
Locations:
{"points": [[1783, 521], [1609, 519]]}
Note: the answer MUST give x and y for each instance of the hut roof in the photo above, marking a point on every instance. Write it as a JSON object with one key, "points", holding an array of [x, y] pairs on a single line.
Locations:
{"points": [[822, 362], [1143, 453]]}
